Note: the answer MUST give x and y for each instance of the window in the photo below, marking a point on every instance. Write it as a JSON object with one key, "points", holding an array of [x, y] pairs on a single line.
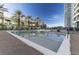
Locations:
{"points": [[74, 18]]}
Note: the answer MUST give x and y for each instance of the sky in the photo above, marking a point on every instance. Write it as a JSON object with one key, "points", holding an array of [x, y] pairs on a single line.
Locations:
{"points": [[51, 14]]}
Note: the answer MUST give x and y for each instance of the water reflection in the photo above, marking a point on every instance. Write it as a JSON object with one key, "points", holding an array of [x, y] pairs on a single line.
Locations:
{"points": [[58, 35], [47, 39]]}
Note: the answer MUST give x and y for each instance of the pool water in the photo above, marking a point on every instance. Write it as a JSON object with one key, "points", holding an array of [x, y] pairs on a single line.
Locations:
{"points": [[46, 39]]}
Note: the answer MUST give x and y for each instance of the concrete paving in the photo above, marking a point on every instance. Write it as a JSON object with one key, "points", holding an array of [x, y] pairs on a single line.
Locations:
{"points": [[74, 41], [9, 45]]}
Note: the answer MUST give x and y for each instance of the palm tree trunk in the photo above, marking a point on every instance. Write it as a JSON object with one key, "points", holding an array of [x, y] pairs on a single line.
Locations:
{"points": [[2, 23], [18, 23]]}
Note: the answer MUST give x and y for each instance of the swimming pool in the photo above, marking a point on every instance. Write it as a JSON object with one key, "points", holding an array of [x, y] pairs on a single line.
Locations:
{"points": [[48, 40]]}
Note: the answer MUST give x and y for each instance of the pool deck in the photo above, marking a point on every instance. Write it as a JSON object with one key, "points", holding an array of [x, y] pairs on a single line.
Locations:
{"points": [[9, 45], [74, 41]]}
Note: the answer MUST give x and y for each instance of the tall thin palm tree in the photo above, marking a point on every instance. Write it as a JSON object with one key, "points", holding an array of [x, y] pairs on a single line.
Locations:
{"points": [[18, 14], [37, 21]]}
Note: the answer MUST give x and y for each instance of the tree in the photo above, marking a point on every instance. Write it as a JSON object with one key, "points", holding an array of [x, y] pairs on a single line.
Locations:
{"points": [[18, 14], [43, 26], [37, 19], [2, 9]]}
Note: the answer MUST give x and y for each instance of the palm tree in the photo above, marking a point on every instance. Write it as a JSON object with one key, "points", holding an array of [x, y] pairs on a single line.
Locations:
{"points": [[37, 19], [18, 14], [43, 26], [2, 9]]}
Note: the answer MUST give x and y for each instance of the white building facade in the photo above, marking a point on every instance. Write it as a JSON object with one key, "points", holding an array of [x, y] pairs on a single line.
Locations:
{"points": [[75, 19]]}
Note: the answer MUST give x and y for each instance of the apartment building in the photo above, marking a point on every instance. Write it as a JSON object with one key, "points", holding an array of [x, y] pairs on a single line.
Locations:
{"points": [[68, 15], [1, 16], [75, 15], [26, 22]]}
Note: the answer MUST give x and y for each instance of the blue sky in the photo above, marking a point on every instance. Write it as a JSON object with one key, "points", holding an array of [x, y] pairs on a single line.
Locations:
{"points": [[50, 13]]}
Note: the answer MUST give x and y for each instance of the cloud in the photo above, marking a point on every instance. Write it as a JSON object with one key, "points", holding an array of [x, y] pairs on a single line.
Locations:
{"points": [[55, 20], [56, 17], [54, 25]]}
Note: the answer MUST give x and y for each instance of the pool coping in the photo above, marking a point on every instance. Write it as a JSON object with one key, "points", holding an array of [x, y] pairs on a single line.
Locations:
{"points": [[65, 46], [64, 49]]}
